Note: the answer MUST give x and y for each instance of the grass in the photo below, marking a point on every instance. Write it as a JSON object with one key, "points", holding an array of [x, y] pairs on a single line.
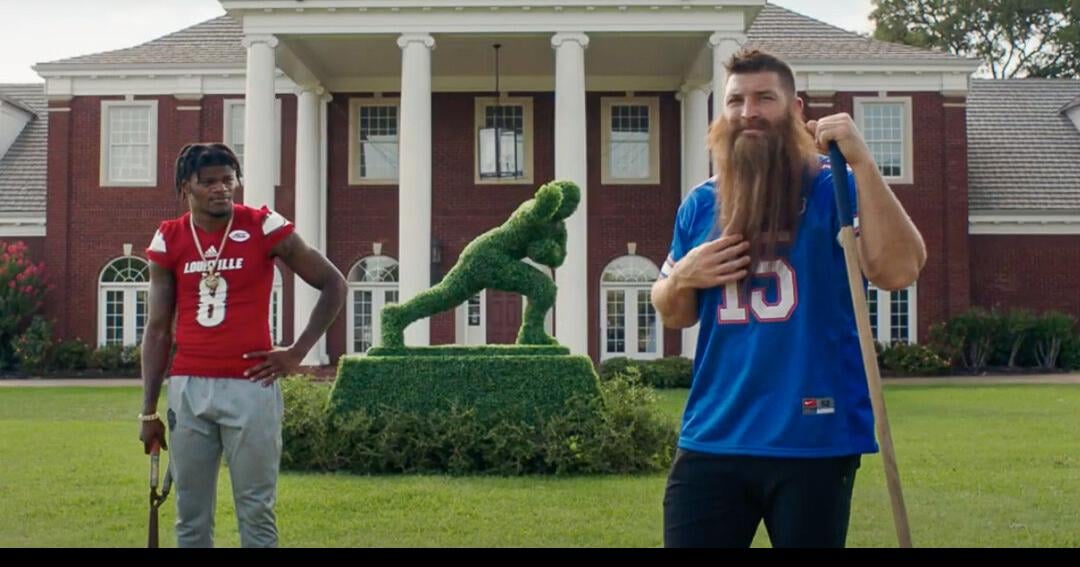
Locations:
{"points": [[982, 466]]}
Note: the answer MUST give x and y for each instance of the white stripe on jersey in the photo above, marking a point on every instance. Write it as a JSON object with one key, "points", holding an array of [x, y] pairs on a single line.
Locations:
{"points": [[273, 222], [158, 243], [665, 270]]}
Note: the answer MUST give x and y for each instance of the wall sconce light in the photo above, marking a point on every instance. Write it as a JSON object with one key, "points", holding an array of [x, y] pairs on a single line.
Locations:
{"points": [[436, 251]]}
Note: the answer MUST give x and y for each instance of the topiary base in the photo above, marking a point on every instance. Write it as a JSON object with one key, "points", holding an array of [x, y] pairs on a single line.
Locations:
{"points": [[523, 384]]}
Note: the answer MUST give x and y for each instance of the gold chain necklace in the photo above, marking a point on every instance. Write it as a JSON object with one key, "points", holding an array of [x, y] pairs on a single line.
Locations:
{"points": [[210, 274]]}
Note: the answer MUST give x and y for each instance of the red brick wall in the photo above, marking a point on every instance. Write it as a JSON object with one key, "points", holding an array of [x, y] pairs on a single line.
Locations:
{"points": [[35, 247], [88, 224], [1033, 272], [936, 200], [644, 214]]}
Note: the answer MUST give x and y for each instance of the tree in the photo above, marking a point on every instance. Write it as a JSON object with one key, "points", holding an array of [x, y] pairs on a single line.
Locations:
{"points": [[1014, 38]]}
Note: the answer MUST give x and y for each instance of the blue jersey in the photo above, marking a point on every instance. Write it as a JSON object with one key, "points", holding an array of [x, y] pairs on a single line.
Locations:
{"points": [[778, 370]]}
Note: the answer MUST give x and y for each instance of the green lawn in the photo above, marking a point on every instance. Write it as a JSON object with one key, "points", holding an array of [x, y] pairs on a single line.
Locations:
{"points": [[981, 466]]}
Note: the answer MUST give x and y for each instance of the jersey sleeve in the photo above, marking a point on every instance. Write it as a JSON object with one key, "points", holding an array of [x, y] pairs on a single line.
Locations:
{"points": [[275, 228], [681, 239], [159, 250]]}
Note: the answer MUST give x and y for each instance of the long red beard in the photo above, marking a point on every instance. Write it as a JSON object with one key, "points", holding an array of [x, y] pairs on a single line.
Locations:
{"points": [[760, 176]]}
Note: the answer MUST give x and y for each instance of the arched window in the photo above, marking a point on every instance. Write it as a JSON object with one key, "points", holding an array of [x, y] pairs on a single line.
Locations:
{"points": [[123, 294], [629, 325], [373, 283]]}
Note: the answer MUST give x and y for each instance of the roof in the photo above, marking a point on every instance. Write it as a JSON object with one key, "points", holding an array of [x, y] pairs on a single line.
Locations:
{"points": [[786, 33], [22, 168], [1023, 152], [796, 37]]}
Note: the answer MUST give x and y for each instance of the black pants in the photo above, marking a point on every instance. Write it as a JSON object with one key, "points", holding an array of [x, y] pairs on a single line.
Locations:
{"points": [[718, 501]]}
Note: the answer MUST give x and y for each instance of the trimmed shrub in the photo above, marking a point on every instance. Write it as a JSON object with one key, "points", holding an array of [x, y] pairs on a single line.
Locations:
{"points": [[670, 372], [1050, 332], [619, 431], [493, 260], [526, 387], [913, 360], [72, 355], [34, 348]]}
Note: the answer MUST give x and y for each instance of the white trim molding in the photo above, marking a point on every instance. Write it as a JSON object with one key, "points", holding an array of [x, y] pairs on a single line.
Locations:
{"points": [[355, 106], [1039, 224], [907, 162], [22, 226], [315, 17], [105, 178]]}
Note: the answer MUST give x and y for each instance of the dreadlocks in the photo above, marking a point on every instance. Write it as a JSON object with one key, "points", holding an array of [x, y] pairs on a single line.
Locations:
{"points": [[197, 156]]}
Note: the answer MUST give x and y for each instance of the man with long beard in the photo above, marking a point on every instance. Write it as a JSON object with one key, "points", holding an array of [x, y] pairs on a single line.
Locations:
{"points": [[778, 413]]}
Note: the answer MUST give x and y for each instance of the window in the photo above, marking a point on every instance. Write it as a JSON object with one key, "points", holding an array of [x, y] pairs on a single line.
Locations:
{"points": [[886, 126], [129, 143], [471, 320], [373, 141], [631, 141], [504, 137], [277, 310], [892, 315], [234, 132], [373, 284], [629, 325], [123, 293], [473, 311]]}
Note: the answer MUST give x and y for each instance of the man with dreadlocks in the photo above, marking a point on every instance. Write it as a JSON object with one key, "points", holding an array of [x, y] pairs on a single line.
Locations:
{"points": [[212, 270], [778, 413]]}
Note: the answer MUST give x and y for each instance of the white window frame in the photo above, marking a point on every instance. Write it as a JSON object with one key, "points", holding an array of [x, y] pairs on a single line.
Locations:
{"points": [[606, 175], [130, 291], [232, 106], [277, 309], [354, 143], [480, 107], [378, 294], [467, 334], [105, 176], [883, 333], [629, 291], [907, 165]]}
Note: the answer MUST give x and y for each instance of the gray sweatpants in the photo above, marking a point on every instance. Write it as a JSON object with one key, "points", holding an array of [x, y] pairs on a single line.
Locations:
{"points": [[242, 420]]}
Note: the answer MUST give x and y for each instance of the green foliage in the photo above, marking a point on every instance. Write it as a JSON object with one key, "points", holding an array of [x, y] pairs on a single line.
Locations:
{"points": [[1013, 38], [22, 294], [913, 360], [1050, 332], [527, 388], [72, 355], [34, 348], [493, 260], [620, 430], [670, 372]]}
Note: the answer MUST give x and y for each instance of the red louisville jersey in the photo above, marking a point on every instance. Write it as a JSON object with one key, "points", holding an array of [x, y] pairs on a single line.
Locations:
{"points": [[216, 326]]}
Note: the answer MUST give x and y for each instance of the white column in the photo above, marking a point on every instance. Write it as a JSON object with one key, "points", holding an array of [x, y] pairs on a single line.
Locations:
{"points": [[724, 46], [309, 218], [414, 177], [259, 118], [572, 303], [695, 136], [695, 165]]}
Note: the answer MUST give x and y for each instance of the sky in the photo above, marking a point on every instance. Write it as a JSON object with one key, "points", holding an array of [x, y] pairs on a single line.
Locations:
{"points": [[35, 31]]}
